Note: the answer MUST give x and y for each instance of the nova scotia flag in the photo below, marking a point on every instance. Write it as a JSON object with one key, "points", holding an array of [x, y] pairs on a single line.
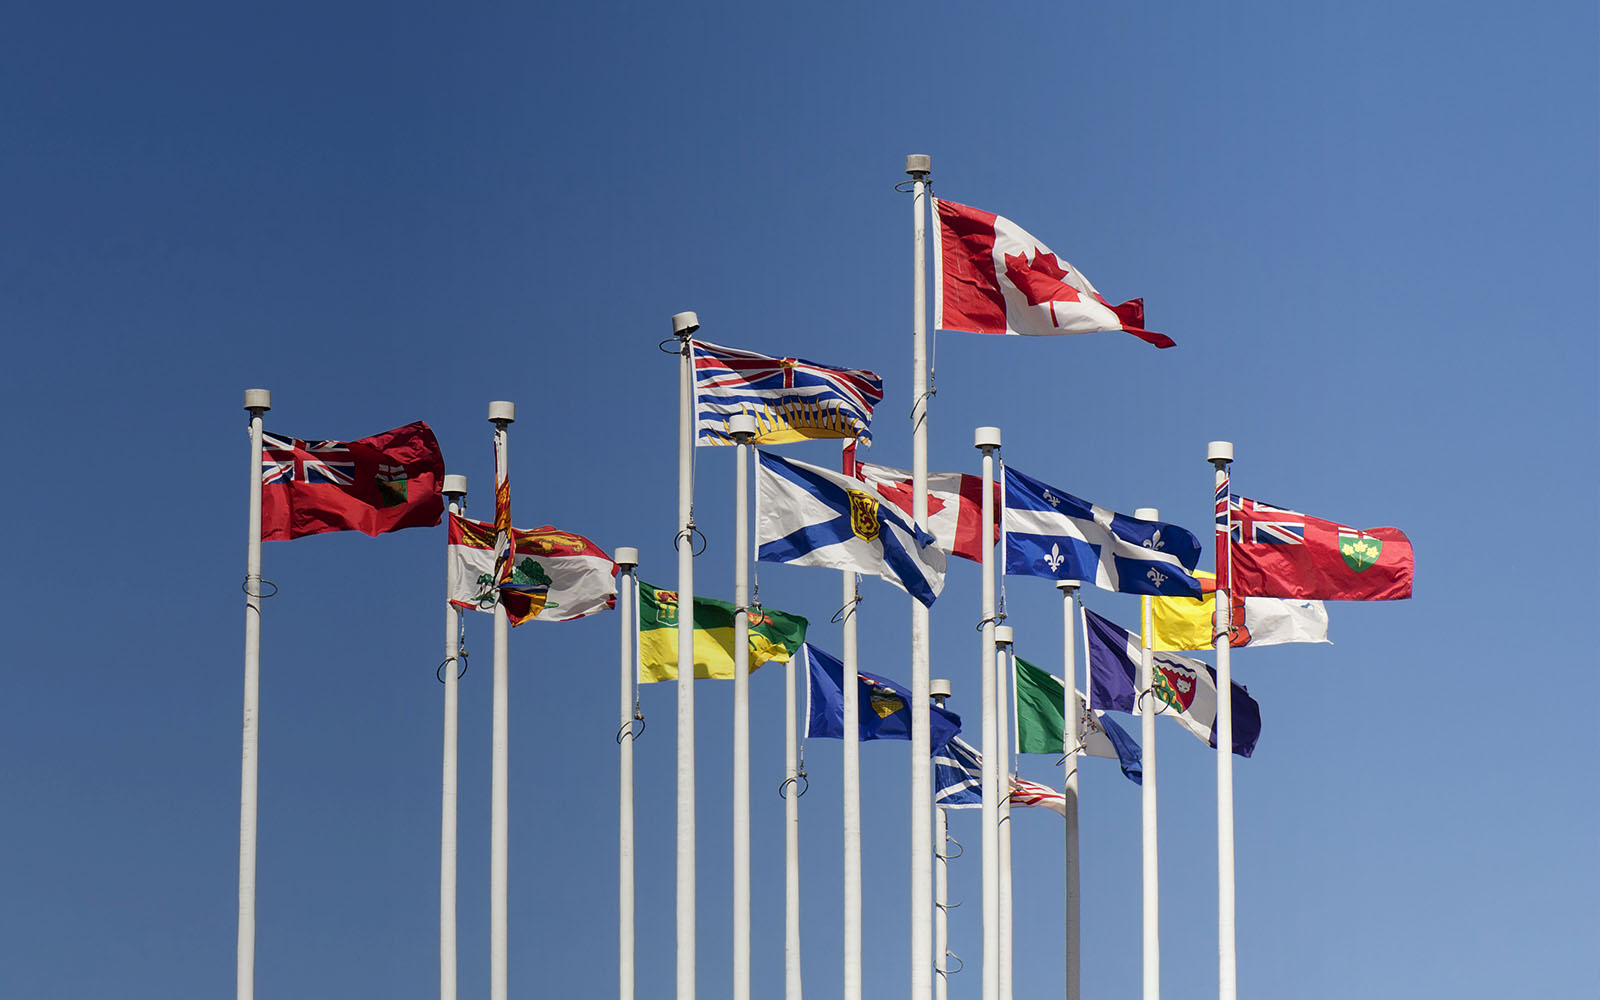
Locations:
{"points": [[1053, 534], [808, 516]]}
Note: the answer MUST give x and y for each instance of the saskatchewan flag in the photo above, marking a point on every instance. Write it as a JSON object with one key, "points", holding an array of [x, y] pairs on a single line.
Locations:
{"points": [[774, 635]]}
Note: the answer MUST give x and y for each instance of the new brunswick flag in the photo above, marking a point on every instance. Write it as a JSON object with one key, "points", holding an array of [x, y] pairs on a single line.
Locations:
{"points": [[774, 635]]}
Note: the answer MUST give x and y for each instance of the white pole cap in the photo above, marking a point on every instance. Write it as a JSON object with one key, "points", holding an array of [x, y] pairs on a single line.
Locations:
{"points": [[939, 687], [1147, 514], [455, 485], [502, 412], [1219, 452], [258, 399], [741, 425], [684, 324], [626, 556], [919, 163], [1068, 584], [986, 437], [1002, 635]]}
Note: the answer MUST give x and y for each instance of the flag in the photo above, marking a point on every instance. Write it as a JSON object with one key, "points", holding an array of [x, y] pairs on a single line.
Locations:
{"points": [[1041, 725], [808, 516], [991, 276], [957, 776], [1031, 793], [884, 714], [380, 483], [1053, 534], [774, 635], [790, 399], [1283, 553], [955, 505], [566, 576], [1187, 688], [1189, 623]]}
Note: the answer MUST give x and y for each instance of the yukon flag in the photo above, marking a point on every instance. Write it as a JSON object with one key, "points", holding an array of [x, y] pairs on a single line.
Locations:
{"points": [[560, 575], [1189, 623], [993, 276]]}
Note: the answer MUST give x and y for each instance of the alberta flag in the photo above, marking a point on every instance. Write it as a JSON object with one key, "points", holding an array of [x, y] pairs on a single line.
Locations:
{"points": [[809, 516]]}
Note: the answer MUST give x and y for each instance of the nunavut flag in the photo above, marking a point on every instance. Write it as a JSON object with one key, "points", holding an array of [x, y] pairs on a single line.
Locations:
{"points": [[992, 276], [380, 483], [1283, 553]]}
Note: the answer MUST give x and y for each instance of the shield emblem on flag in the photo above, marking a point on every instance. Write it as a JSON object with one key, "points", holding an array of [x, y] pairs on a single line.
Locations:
{"points": [[864, 523], [1359, 551], [1174, 685]]}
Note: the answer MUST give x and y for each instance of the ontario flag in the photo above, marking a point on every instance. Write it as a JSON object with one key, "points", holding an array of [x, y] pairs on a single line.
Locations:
{"points": [[380, 483], [1277, 552], [993, 276]]}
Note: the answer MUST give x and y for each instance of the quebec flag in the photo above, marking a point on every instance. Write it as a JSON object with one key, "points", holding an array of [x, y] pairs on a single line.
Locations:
{"points": [[1053, 534], [808, 516]]}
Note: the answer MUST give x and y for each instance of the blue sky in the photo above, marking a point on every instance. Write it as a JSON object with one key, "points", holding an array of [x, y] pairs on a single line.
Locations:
{"points": [[1371, 228]]}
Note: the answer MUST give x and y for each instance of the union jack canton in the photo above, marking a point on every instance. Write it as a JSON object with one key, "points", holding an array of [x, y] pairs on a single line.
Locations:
{"points": [[290, 460], [790, 399], [1264, 524]]}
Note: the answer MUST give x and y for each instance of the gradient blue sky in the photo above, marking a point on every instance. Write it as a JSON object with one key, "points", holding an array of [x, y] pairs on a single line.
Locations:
{"points": [[1371, 228]]}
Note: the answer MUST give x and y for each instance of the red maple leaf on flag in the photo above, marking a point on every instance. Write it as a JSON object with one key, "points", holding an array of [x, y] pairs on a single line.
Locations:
{"points": [[1041, 280]]}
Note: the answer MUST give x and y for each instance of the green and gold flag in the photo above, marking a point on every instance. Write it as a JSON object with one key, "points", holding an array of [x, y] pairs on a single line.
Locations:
{"points": [[774, 635]]}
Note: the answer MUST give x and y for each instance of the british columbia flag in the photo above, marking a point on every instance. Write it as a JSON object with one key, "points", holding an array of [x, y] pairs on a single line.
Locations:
{"points": [[290, 460], [791, 399], [1264, 524]]}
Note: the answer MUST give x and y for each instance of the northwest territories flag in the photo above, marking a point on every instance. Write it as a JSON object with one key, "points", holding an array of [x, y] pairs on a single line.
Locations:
{"points": [[1053, 534], [884, 705], [790, 399], [808, 516], [1042, 724], [957, 776], [1187, 688]]}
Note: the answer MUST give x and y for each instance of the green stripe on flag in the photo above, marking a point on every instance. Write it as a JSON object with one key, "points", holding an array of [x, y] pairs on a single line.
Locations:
{"points": [[1041, 721]]}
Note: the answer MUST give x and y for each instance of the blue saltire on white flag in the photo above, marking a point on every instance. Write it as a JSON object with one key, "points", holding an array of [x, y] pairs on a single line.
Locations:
{"points": [[808, 516], [957, 776], [1053, 534]]}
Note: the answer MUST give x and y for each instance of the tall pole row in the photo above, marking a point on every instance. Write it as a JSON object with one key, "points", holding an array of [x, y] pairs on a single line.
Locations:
{"points": [[455, 487], [501, 414], [257, 402], [986, 440], [742, 427], [1070, 739], [1148, 704], [1003, 639], [941, 874], [852, 795], [627, 587], [1220, 455], [684, 325]]}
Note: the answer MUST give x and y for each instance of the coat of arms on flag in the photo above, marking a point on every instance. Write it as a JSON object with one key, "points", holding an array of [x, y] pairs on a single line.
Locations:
{"points": [[791, 399]]}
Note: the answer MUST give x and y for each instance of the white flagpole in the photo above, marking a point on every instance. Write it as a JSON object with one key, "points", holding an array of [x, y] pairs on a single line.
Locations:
{"points": [[501, 414], [852, 795], [1220, 455], [986, 440], [626, 559], [684, 325], [455, 487], [1002, 654], [1069, 747], [1147, 723], [791, 842], [742, 428], [257, 402], [940, 689], [922, 960]]}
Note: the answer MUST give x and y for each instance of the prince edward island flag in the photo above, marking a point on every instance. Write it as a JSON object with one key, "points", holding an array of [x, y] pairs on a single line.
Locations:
{"points": [[811, 517]]}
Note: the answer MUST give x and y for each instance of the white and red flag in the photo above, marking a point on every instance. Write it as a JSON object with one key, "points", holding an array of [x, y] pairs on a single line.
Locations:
{"points": [[955, 503], [993, 276]]}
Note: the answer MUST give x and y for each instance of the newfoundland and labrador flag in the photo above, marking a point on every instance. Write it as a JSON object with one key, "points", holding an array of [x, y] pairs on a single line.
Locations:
{"points": [[992, 276], [1187, 687], [790, 399], [1053, 534], [884, 705], [774, 635], [809, 516], [1283, 553], [560, 575], [957, 776], [380, 483], [1042, 725]]}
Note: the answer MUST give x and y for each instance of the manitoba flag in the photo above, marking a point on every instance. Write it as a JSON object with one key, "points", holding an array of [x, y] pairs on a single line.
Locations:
{"points": [[992, 276], [1283, 553], [380, 483]]}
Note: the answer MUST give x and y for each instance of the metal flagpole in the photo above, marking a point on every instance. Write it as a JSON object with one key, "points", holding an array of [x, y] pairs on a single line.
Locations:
{"points": [[986, 440], [455, 487], [1004, 679], [742, 428], [793, 785], [940, 689], [1220, 455], [919, 167], [501, 414], [626, 559], [1069, 748], [257, 402], [852, 794], [684, 325], [1147, 723]]}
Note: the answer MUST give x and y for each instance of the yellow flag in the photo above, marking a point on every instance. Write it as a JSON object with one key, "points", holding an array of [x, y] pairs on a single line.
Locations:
{"points": [[1183, 623]]}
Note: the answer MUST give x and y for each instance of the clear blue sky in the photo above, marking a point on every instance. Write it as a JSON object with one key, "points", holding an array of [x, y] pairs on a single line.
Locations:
{"points": [[1371, 228]]}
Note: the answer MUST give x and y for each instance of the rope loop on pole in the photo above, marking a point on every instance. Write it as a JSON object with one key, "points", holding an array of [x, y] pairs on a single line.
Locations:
{"points": [[676, 349], [633, 728], [960, 849], [959, 963], [996, 618], [1161, 705], [257, 593], [689, 531], [799, 781], [846, 609], [438, 672]]}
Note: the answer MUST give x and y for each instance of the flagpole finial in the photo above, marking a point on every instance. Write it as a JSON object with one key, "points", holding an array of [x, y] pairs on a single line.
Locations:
{"points": [[1147, 514], [258, 400], [986, 438], [455, 486], [741, 425], [502, 412], [1068, 586], [1219, 452], [919, 165], [627, 557], [939, 689], [684, 324], [1003, 635]]}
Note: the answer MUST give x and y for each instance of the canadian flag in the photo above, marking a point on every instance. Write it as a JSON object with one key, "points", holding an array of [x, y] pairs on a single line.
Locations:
{"points": [[955, 503], [992, 276]]}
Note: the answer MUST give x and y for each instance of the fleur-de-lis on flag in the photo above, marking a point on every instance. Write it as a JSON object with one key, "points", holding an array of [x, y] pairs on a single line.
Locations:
{"points": [[1051, 499], [1156, 577], [1154, 541], [1055, 558]]}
